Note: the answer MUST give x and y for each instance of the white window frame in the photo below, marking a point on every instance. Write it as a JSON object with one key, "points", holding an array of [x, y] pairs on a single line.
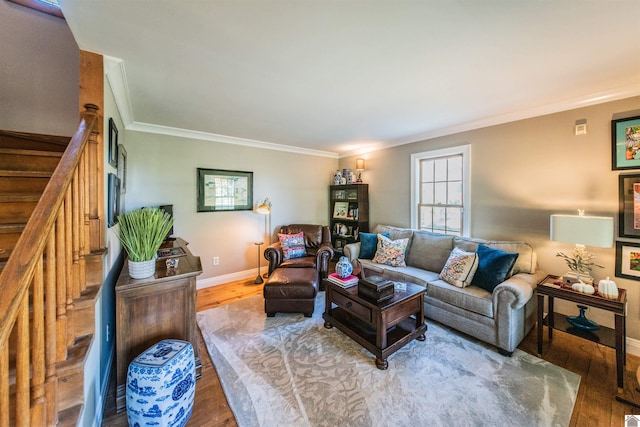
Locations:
{"points": [[416, 158]]}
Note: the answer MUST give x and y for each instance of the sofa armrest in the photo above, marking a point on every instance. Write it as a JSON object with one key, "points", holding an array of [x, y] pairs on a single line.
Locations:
{"points": [[352, 251], [273, 254], [516, 291], [323, 256]]}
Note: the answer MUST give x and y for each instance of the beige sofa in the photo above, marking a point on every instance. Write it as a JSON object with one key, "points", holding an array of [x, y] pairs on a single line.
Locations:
{"points": [[501, 318]]}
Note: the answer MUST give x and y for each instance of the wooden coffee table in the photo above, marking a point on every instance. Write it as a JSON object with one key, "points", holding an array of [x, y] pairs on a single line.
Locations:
{"points": [[381, 328]]}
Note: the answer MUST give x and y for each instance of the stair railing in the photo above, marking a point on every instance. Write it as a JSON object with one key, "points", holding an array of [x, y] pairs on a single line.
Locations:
{"points": [[43, 275]]}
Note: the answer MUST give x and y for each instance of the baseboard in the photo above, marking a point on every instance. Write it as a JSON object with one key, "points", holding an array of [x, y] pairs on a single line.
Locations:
{"points": [[102, 401], [218, 280], [633, 346]]}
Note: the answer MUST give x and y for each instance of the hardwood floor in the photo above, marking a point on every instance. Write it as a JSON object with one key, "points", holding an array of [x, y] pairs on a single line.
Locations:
{"points": [[595, 404]]}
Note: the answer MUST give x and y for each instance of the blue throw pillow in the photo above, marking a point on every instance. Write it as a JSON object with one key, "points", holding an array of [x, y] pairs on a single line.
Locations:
{"points": [[494, 266], [369, 244]]}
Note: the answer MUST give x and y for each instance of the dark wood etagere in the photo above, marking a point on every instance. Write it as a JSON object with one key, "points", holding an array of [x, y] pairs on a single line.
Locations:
{"points": [[348, 213]]}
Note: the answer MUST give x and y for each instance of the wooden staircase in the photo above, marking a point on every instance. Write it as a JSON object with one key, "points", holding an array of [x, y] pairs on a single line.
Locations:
{"points": [[51, 254]]}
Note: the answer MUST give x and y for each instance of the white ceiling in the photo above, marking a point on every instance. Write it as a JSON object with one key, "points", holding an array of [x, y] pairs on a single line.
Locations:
{"points": [[344, 76]]}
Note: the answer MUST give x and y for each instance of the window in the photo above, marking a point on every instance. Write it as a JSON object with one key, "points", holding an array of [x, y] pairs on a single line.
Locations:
{"points": [[440, 190]]}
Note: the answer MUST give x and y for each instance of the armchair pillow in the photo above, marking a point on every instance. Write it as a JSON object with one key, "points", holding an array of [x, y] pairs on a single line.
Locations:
{"points": [[292, 245], [368, 244], [494, 267], [391, 252], [460, 268]]}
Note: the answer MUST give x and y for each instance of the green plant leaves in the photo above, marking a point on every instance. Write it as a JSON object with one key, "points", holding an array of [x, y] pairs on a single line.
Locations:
{"points": [[142, 231]]}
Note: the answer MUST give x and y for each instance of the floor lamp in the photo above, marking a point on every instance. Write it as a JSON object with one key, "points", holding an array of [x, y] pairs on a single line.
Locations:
{"points": [[265, 209]]}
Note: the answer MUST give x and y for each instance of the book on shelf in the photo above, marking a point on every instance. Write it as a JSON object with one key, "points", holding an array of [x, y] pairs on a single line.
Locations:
{"points": [[348, 281]]}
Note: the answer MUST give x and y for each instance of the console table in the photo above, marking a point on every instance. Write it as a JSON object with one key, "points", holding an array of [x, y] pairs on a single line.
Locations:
{"points": [[552, 287], [152, 309]]}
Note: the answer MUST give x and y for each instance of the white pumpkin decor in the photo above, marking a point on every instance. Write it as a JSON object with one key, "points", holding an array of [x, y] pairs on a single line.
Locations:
{"points": [[583, 287], [608, 289]]}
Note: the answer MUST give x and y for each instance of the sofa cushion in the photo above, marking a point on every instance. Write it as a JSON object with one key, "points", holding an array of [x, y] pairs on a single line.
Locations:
{"points": [[494, 266], [369, 244], [430, 251], [395, 233], [459, 268], [526, 262], [414, 275], [471, 298], [292, 245], [391, 252]]}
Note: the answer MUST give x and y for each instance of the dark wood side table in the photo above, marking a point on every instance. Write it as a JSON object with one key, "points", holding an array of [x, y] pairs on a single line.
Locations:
{"points": [[614, 338], [380, 328]]}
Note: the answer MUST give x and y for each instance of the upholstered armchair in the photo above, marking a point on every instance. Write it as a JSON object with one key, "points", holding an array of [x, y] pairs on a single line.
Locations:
{"points": [[317, 241]]}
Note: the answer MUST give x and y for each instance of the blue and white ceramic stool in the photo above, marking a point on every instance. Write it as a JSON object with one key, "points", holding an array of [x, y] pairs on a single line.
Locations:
{"points": [[161, 385]]}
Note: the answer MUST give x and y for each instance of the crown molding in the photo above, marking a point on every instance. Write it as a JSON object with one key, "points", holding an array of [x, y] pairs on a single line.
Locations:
{"points": [[114, 70], [206, 136], [601, 97]]}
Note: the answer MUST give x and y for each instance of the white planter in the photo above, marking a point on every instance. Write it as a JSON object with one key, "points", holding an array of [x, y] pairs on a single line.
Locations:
{"points": [[142, 269]]}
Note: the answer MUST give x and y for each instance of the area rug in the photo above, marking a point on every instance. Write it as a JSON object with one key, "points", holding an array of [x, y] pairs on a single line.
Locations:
{"points": [[289, 370]]}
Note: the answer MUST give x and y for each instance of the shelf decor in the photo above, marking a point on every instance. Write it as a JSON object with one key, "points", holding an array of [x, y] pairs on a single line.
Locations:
{"points": [[625, 143]]}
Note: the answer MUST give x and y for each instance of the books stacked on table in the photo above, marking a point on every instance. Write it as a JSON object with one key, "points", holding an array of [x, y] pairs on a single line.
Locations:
{"points": [[346, 282]]}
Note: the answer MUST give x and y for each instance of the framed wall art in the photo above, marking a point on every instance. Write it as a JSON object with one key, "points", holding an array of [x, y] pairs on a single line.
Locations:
{"points": [[628, 260], [625, 143], [113, 200], [629, 205], [113, 144], [122, 168], [224, 190]]}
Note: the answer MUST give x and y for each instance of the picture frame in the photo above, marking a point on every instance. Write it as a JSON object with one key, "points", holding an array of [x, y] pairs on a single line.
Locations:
{"points": [[122, 168], [113, 200], [628, 260], [625, 143], [340, 210], [113, 143], [629, 205], [224, 190]]}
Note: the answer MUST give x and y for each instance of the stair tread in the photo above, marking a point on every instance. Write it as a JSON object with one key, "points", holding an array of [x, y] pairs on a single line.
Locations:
{"points": [[22, 197], [11, 228], [32, 174], [75, 355], [40, 153], [69, 417]]}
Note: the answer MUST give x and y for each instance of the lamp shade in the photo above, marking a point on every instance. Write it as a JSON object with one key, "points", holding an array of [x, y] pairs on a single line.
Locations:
{"points": [[582, 230], [265, 207], [359, 164]]}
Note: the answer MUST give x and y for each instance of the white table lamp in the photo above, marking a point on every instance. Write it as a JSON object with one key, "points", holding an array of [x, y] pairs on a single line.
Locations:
{"points": [[582, 230]]}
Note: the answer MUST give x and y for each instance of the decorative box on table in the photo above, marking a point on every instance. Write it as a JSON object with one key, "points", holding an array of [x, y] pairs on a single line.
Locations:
{"points": [[375, 289]]}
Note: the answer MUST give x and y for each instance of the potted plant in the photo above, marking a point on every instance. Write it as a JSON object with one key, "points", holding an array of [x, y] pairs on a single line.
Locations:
{"points": [[141, 233]]}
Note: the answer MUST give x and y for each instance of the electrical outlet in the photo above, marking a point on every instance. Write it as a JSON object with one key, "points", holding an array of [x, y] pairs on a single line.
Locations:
{"points": [[216, 260]]}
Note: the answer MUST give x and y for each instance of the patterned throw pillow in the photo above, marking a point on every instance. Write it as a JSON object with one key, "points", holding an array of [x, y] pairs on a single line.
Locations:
{"points": [[292, 245], [369, 244], [391, 252], [460, 268]]}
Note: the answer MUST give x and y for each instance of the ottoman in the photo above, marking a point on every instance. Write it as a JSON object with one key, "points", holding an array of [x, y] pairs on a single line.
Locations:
{"points": [[291, 290], [161, 385]]}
